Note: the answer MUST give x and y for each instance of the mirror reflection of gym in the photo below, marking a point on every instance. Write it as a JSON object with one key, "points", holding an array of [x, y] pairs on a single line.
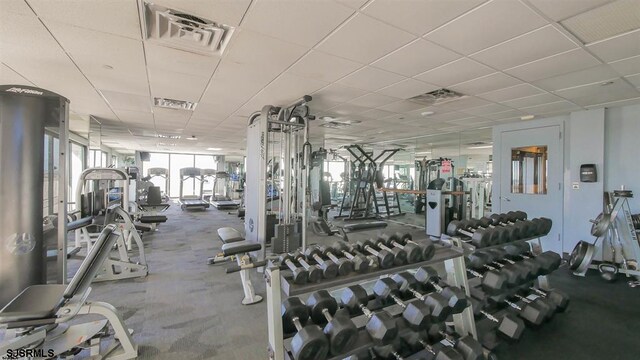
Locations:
{"points": [[529, 170]]}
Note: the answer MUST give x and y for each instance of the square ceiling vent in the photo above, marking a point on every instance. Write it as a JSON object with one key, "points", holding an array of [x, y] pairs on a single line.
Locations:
{"points": [[437, 97], [177, 29]]}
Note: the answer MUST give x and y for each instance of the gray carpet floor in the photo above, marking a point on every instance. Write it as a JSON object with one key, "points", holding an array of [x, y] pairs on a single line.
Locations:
{"points": [[186, 309]]}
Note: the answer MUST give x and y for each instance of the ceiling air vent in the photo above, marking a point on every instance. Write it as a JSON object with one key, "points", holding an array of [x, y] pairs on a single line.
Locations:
{"points": [[437, 97], [174, 104], [339, 123], [182, 31]]}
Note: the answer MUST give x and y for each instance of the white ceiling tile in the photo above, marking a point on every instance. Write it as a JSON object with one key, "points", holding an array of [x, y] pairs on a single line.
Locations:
{"points": [[19, 7], [8, 76], [347, 109], [601, 23], [471, 121], [634, 79], [354, 4], [135, 117], [321, 66], [628, 66], [626, 102], [376, 114], [166, 58], [415, 58], [485, 84], [534, 45], [577, 78], [177, 118], [485, 109], [294, 24], [509, 114], [569, 61], [450, 116], [338, 93], [401, 106], [560, 10], [455, 72], [464, 103], [371, 79], [407, 89], [129, 102], [565, 106], [172, 85], [618, 47], [419, 16], [529, 101], [114, 17], [597, 94], [228, 12], [93, 50], [486, 25], [509, 93], [374, 39], [284, 90], [373, 100]]}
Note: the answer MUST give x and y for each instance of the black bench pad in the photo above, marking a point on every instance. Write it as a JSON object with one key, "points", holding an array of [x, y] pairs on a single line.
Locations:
{"points": [[34, 302], [240, 247], [364, 226], [153, 219], [229, 235], [80, 223]]}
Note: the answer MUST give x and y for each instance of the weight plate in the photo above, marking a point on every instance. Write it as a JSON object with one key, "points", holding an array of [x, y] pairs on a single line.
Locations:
{"points": [[601, 225], [578, 254]]}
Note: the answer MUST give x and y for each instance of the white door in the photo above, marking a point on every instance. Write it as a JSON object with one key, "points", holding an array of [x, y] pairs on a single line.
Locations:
{"points": [[531, 162]]}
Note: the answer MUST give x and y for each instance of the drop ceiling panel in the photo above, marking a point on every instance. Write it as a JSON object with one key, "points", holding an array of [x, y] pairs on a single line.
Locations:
{"points": [[320, 66], [228, 12], [347, 109], [95, 51], [370, 79], [415, 58], [171, 119], [338, 93], [509, 93], [373, 100], [114, 17], [354, 4], [135, 117], [532, 46], [290, 20], [19, 7], [605, 21], [173, 85], [487, 25], [577, 78], [419, 17], [464, 103], [169, 59], [628, 66], [597, 94], [376, 114], [632, 101], [455, 72], [529, 101], [569, 61], [401, 106], [551, 108], [374, 38], [485, 109], [560, 10], [509, 114], [485, 84], [407, 89], [130, 102], [8, 76], [634, 80], [618, 47]]}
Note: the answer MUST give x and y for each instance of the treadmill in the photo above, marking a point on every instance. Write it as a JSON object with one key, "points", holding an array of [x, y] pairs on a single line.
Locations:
{"points": [[220, 195], [192, 202]]}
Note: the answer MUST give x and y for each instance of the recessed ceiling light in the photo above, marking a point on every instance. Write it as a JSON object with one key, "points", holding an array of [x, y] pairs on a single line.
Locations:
{"points": [[480, 147], [214, 149], [193, 137], [168, 136], [606, 83], [427, 113], [527, 117], [108, 67], [174, 104]]}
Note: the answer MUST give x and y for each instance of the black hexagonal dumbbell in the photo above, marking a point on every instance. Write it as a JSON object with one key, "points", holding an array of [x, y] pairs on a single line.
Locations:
{"points": [[516, 275], [437, 303], [516, 219], [381, 326], [467, 346], [342, 332], [412, 251], [313, 271], [399, 256], [329, 268], [389, 351], [497, 279], [416, 313], [429, 279], [360, 261], [500, 234], [438, 351], [479, 237], [300, 275], [508, 326], [532, 312], [345, 266], [385, 258], [558, 297], [425, 245], [549, 261], [309, 342], [528, 269]]}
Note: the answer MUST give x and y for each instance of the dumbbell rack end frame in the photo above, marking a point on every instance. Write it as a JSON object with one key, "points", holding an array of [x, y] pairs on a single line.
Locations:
{"points": [[278, 287]]}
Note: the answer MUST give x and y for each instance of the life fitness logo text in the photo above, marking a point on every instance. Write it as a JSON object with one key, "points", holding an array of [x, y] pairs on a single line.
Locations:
{"points": [[22, 353], [24, 91]]}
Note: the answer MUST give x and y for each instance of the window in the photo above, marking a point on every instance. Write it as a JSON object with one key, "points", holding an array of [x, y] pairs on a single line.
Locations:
{"points": [[157, 160], [179, 161], [76, 166], [529, 170]]}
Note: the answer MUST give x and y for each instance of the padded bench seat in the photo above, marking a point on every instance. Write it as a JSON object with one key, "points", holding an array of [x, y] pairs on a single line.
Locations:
{"points": [[229, 235], [240, 247], [33, 303], [153, 219], [80, 223], [364, 226]]}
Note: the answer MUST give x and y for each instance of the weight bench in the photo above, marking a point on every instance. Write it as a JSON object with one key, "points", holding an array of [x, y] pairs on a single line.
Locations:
{"points": [[229, 235], [364, 226], [39, 317], [240, 250]]}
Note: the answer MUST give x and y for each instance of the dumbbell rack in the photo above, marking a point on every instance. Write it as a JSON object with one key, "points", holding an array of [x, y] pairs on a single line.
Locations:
{"points": [[279, 286]]}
